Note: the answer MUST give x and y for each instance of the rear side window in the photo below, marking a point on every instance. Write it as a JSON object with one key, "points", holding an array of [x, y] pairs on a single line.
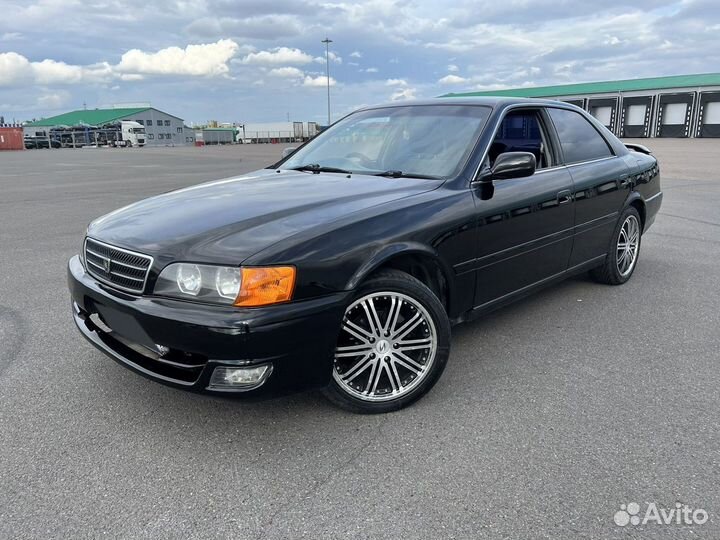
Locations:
{"points": [[580, 141]]}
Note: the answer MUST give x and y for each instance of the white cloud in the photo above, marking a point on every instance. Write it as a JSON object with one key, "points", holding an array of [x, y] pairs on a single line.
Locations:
{"points": [[372, 70], [52, 72], [334, 58], [53, 100], [403, 94], [356, 54], [320, 80], [14, 68], [453, 68], [199, 60], [396, 82], [286, 72], [452, 79], [194, 60], [11, 36], [280, 55]]}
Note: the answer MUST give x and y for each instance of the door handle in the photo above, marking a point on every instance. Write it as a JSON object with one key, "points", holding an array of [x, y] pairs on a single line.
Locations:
{"points": [[564, 196]]}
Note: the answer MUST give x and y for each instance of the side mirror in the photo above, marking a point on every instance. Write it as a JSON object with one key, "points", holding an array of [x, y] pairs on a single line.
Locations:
{"points": [[287, 151], [513, 165]]}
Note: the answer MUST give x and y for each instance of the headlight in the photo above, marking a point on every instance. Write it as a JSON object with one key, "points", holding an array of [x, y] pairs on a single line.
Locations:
{"points": [[188, 279], [243, 287]]}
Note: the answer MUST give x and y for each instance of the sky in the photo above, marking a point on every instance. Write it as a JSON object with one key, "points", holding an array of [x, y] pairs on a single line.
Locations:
{"points": [[263, 60]]}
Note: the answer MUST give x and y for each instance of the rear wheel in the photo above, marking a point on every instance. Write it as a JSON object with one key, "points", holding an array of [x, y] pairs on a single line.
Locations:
{"points": [[393, 345], [623, 252]]}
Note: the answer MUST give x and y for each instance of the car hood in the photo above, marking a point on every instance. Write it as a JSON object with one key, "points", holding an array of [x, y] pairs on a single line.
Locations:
{"points": [[228, 220]]}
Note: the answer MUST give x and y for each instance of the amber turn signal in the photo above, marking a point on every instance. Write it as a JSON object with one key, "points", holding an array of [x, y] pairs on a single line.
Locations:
{"points": [[265, 286]]}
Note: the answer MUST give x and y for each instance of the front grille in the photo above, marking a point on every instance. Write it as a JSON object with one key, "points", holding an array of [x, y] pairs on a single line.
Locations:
{"points": [[123, 269]]}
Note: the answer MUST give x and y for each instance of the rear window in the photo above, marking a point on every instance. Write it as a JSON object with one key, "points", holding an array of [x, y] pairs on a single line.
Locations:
{"points": [[579, 139]]}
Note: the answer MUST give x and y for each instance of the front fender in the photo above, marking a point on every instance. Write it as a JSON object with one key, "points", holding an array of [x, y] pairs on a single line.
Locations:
{"points": [[389, 252]]}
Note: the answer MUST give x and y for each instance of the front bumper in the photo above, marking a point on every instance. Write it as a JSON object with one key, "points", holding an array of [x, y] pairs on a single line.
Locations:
{"points": [[297, 339]]}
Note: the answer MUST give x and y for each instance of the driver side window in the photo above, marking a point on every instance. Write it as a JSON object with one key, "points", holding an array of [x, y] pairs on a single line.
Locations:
{"points": [[521, 131]]}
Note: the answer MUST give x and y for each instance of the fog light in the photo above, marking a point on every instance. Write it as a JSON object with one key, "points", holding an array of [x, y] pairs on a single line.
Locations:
{"points": [[240, 377]]}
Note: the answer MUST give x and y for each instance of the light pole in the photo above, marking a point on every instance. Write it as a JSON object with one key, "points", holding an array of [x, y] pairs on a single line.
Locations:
{"points": [[327, 43]]}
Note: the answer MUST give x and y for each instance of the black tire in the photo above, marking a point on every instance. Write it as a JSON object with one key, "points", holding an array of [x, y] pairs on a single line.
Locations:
{"points": [[609, 272], [404, 285]]}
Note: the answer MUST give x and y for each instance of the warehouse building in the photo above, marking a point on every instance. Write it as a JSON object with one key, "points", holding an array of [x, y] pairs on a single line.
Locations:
{"points": [[677, 106], [161, 128]]}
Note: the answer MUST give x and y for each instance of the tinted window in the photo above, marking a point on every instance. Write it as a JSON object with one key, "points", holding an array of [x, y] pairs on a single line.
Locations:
{"points": [[580, 141], [520, 132]]}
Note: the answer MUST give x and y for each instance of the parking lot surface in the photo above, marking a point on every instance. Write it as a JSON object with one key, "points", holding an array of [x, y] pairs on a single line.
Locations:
{"points": [[552, 412]]}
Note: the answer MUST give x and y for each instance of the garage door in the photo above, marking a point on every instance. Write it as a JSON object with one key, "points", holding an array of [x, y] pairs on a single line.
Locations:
{"points": [[635, 117], [674, 114], [577, 102], [605, 110], [709, 115]]}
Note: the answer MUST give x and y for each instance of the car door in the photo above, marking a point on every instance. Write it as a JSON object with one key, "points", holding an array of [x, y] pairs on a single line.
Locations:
{"points": [[525, 227], [601, 181]]}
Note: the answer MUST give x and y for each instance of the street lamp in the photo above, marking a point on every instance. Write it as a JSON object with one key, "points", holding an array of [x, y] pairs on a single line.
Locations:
{"points": [[327, 43]]}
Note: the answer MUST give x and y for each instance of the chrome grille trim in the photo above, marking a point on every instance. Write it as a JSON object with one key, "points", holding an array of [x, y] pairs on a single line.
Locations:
{"points": [[127, 270]]}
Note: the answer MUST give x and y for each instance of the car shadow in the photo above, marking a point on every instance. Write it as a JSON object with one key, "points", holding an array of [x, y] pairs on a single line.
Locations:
{"points": [[160, 406]]}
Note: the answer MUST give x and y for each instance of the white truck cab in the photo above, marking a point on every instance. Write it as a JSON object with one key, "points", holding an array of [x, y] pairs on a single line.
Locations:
{"points": [[133, 133]]}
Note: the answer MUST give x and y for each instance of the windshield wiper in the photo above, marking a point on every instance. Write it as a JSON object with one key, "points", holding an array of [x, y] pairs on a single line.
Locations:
{"points": [[400, 174], [316, 168]]}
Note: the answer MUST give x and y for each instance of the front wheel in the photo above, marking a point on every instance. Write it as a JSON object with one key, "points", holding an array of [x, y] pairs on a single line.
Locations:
{"points": [[623, 252], [393, 345]]}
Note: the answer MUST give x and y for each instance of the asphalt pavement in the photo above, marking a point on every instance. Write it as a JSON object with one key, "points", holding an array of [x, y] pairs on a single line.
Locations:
{"points": [[552, 412]]}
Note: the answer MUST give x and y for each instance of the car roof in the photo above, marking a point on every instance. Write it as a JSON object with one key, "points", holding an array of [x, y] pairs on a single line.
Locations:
{"points": [[488, 101]]}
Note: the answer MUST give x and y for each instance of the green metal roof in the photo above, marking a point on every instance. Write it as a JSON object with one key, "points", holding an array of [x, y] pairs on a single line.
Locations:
{"points": [[653, 83], [92, 117]]}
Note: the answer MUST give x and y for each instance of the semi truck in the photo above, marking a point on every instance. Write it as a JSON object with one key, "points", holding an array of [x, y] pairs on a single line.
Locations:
{"points": [[132, 133]]}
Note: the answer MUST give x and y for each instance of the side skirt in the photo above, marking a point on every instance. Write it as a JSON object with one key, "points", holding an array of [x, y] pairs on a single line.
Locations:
{"points": [[509, 298]]}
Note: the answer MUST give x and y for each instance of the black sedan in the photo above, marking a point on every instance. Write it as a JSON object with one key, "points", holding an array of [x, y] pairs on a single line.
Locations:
{"points": [[344, 265]]}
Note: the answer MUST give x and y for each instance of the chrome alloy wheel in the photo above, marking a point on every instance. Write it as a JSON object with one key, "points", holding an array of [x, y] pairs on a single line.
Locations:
{"points": [[627, 245], [386, 347]]}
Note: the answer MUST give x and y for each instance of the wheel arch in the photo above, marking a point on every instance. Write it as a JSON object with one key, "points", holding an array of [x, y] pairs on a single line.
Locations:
{"points": [[418, 260], [636, 200]]}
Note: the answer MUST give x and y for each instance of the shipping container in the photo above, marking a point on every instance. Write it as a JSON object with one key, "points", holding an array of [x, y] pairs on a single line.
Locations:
{"points": [[11, 138]]}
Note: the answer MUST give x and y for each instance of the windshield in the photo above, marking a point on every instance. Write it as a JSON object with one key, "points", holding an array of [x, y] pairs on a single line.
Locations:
{"points": [[424, 140], [137, 130]]}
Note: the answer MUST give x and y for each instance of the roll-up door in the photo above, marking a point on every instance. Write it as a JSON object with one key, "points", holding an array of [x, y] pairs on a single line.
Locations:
{"points": [[674, 114], [635, 117], [605, 110], [577, 102], [709, 115]]}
